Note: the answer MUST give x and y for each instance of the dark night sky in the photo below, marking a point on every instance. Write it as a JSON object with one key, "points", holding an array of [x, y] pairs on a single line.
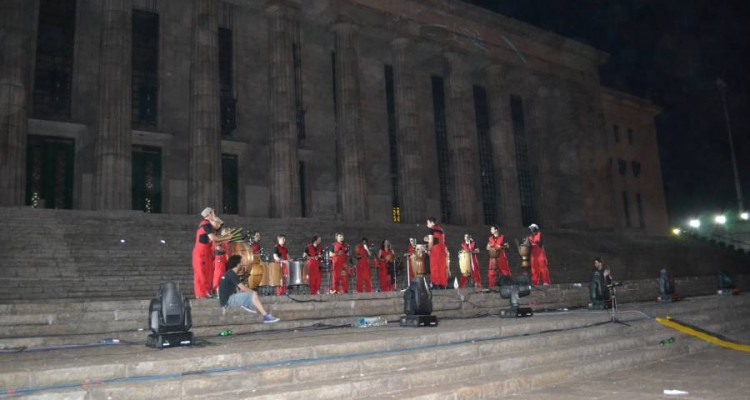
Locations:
{"points": [[670, 52]]}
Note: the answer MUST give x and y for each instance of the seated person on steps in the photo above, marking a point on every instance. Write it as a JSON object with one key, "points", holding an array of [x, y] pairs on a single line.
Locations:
{"points": [[234, 293], [598, 290]]}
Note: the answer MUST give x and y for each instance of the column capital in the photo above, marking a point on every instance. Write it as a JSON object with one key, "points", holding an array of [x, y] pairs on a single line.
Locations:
{"points": [[456, 63], [278, 8], [401, 43], [343, 25]]}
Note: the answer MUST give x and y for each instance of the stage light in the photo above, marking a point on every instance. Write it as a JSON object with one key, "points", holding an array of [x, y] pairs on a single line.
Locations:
{"points": [[676, 231], [170, 318], [122, 240], [163, 241], [695, 223], [720, 219], [744, 216]]}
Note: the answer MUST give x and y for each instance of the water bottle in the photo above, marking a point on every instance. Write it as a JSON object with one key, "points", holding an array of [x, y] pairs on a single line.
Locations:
{"points": [[367, 322], [225, 332], [666, 341], [110, 341]]}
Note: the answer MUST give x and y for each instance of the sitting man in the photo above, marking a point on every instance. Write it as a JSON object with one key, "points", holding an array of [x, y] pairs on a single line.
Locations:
{"points": [[598, 287], [234, 293]]}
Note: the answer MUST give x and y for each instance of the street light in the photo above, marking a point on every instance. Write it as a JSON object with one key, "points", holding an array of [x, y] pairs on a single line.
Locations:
{"points": [[744, 216], [695, 223], [722, 86], [720, 219]]}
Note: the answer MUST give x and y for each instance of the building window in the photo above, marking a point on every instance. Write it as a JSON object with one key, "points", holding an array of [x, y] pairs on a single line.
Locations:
{"points": [[630, 136], [145, 85], [299, 104], [622, 166], [639, 203], [616, 132], [53, 71], [229, 184], [146, 179], [302, 174], [486, 165], [393, 142], [441, 135], [49, 172], [525, 179], [337, 151], [626, 209], [636, 166]]}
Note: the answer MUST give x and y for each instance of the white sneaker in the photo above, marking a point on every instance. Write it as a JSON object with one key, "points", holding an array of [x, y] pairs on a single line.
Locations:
{"points": [[269, 319], [248, 309]]}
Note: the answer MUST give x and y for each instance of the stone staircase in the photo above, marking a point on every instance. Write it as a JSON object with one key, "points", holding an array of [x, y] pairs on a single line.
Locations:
{"points": [[74, 255], [467, 358]]}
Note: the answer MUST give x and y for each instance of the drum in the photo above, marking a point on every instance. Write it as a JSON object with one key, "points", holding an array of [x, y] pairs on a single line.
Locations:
{"points": [[271, 274], [298, 274], [256, 274], [524, 250], [494, 252], [418, 264], [389, 257], [244, 250], [464, 261]]}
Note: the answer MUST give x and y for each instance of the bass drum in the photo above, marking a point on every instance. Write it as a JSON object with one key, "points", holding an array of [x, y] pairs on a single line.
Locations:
{"points": [[298, 274], [464, 261], [244, 250]]}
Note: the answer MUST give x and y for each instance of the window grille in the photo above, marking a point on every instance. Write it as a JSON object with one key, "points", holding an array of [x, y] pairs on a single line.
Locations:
{"points": [[393, 143], [525, 178], [145, 85], [441, 134], [486, 165]]}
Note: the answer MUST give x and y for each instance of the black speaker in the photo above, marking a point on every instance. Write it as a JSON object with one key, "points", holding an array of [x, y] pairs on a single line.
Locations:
{"points": [[170, 319], [418, 297]]}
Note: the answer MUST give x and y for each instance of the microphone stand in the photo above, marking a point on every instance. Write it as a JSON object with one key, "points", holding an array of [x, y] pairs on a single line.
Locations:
{"points": [[613, 298]]}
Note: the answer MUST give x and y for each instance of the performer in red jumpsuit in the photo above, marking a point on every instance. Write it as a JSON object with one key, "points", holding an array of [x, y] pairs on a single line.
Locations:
{"points": [[256, 243], [281, 255], [499, 263], [385, 261], [221, 255], [539, 271], [436, 247], [338, 254], [471, 246], [362, 253], [313, 253], [203, 255]]}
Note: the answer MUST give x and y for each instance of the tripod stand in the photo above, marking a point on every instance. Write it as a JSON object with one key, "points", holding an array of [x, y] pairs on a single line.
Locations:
{"points": [[613, 309]]}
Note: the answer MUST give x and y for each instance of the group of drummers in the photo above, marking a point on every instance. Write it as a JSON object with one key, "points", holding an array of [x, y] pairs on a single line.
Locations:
{"points": [[277, 273]]}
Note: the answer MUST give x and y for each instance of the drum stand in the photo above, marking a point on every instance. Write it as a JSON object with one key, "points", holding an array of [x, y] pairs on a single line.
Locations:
{"points": [[613, 318]]}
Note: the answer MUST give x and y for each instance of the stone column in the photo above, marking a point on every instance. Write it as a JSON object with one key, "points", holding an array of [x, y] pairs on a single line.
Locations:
{"points": [[352, 187], [113, 149], [410, 162], [504, 147], [15, 25], [204, 183], [462, 142], [284, 185]]}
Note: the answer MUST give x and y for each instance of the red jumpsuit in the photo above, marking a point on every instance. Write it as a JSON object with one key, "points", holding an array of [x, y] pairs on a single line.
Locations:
{"points": [[438, 266], [539, 271], [463, 280], [340, 282], [364, 282], [220, 264], [500, 263], [282, 253], [384, 268], [202, 260], [313, 267]]}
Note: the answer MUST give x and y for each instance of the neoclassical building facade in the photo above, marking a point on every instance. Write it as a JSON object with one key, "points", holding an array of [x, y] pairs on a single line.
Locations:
{"points": [[354, 110]]}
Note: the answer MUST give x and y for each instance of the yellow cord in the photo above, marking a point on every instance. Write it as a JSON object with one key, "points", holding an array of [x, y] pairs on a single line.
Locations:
{"points": [[668, 322]]}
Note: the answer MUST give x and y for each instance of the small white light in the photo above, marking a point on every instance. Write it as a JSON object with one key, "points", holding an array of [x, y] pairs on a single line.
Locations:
{"points": [[676, 231], [122, 240], [720, 219], [744, 216], [163, 241], [695, 223]]}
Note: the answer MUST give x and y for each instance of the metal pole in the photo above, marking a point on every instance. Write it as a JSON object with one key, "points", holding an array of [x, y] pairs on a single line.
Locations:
{"points": [[722, 89]]}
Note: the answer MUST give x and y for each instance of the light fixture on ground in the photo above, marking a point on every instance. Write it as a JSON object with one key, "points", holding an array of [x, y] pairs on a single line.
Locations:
{"points": [[720, 219], [695, 223], [418, 297], [169, 318], [744, 216]]}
